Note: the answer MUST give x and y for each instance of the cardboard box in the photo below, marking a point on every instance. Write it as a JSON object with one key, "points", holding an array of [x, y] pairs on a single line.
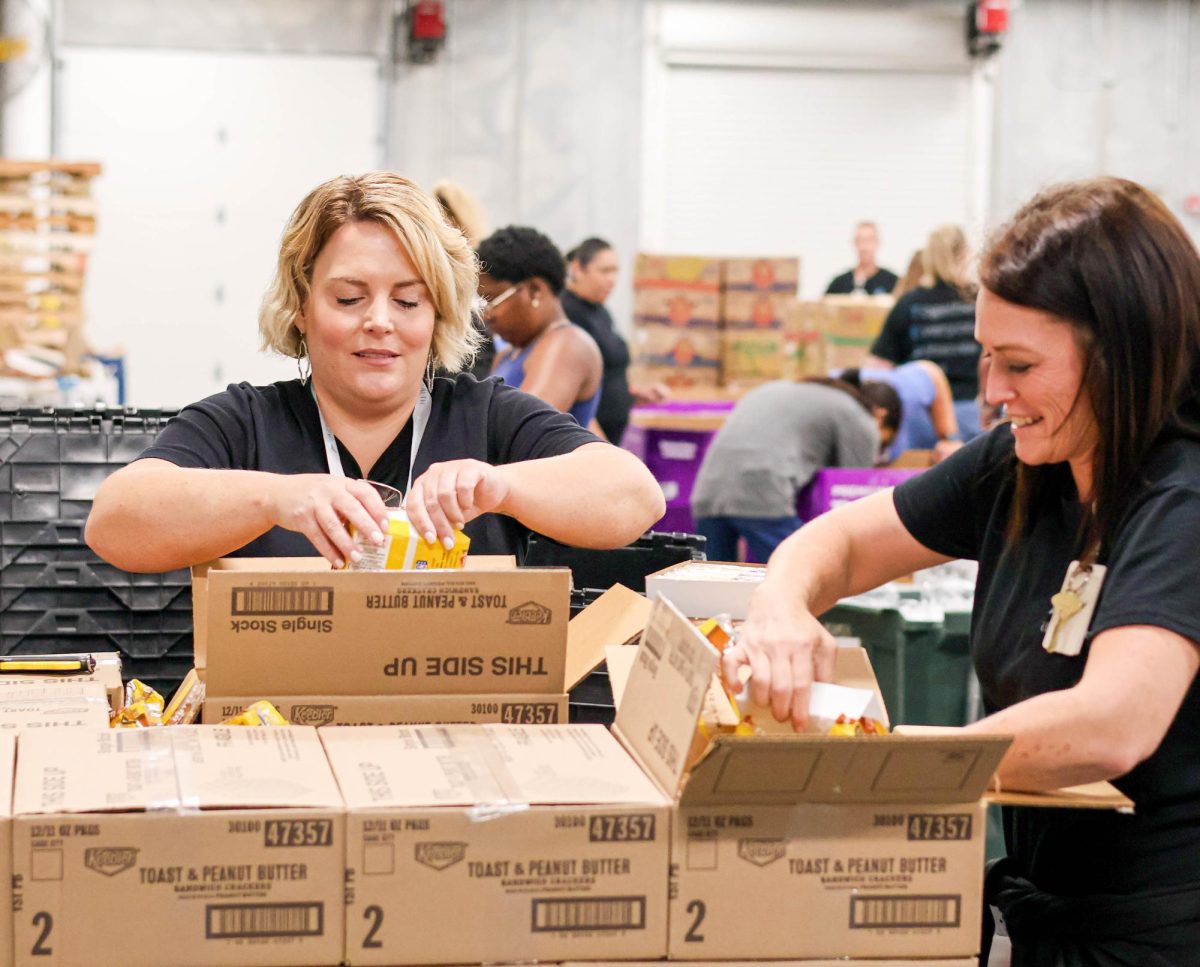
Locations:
{"points": [[460, 632], [8, 757], [698, 272], [678, 378], [854, 318], [107, 673], [226, 843], [756, 311], [84, 705], [839, 962], [687, 349], [400, 709], [753, 357], [879, 840], [761, 274], [677, 308], [473, 844], [702, 589]]}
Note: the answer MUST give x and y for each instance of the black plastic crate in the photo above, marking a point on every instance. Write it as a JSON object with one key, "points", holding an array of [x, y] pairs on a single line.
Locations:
{"points": [[627, 565], [52, 461], [55, 594]]}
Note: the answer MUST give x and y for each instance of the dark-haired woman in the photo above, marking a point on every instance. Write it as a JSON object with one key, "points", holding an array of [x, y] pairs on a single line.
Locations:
{"points": [[592, 268], [774, 440], [1084, 516], [521, 279]]}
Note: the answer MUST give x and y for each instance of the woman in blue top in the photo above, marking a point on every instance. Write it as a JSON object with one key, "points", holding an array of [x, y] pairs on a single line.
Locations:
{"points": [[521, 278]]}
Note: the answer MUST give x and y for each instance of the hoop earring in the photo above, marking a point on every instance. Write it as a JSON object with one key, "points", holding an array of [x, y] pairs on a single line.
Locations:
{"points": [[301, 358]]}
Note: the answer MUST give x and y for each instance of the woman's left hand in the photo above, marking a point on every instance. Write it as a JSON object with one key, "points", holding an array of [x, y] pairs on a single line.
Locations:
{"points": [[449, 494]]}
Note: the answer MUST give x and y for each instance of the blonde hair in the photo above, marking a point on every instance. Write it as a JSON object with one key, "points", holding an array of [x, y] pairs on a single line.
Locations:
{"points": [[440, 253], [945, 260], [463, 210]]}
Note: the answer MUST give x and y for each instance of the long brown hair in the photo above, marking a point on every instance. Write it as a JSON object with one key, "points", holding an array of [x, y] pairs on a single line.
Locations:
{"points": [[1108, 257]]}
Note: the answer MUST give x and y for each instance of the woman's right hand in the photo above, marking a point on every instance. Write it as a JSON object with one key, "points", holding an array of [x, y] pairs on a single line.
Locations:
{"points": [[322, 507], [786, 649]]}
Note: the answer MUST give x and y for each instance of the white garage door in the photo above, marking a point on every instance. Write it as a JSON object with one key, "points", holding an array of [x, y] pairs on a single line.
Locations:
{"points": [[205, 155], [785, 161]]}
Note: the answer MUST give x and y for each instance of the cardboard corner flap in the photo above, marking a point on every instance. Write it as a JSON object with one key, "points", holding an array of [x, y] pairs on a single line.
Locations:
{"points": [[615, 618]]}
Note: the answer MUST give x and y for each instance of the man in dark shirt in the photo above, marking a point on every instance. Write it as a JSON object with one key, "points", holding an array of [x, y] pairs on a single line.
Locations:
{"points": [[866, 278]]}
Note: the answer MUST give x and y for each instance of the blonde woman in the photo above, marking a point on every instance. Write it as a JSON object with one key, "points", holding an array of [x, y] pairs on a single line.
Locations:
{"points": [[936, 321], [373, 294]]}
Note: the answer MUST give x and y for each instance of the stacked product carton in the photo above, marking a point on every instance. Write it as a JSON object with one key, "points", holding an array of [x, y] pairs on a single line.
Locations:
{"points": [[677, 320], [757, 296]]}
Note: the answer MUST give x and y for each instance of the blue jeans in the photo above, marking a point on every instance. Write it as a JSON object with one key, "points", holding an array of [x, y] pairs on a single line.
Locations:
{"points": [[762, 534]]}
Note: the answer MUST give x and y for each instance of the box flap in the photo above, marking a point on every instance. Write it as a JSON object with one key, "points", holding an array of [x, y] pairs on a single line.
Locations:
{"points": [[619, 659], [495, 766], [712, 571], [660, 707], [183, 767], [784, 769], [1093, 795], [490, 562], [616, 617]]}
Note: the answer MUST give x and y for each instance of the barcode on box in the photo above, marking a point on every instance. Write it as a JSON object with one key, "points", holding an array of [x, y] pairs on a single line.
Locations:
{"points": [[594, 913], [282, 601], [233, 921], [869, 912]]}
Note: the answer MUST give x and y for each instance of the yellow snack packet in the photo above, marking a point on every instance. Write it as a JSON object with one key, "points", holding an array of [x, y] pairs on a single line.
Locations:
{"points": [[142, 707], [184, 707], [258, 713], [403, 549]]}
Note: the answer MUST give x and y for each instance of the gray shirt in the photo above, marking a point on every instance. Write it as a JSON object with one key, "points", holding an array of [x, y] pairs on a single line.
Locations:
{"points": [[777, 436]]}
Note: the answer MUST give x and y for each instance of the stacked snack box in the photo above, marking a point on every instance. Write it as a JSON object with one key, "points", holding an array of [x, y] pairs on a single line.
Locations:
{"points": [[848, 326], [677, 318], [47, 230], [757, 296]]}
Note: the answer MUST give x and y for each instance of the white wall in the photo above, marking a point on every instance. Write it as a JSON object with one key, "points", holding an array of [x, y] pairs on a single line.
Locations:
{"points": [[772, 128], [1087, 88], [205, 155]]}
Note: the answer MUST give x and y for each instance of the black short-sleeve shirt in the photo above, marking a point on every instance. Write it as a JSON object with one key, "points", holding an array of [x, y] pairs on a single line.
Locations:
{"points": [[960, 508], [277, 429], [938, 324]]}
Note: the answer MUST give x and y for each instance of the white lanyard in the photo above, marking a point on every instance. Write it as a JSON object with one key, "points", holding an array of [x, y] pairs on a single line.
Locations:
{"points": [[420, 419]]}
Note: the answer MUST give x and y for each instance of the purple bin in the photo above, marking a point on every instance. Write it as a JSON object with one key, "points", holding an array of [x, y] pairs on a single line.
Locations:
{"points": [[836, 486]]}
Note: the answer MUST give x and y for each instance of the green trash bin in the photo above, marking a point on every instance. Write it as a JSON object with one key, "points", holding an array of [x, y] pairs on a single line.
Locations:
{"points": [[923, 672]]}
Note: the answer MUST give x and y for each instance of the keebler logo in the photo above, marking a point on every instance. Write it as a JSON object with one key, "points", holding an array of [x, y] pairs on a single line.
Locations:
{"points": [[530, 613], [110, 860], [761, 852], [439, 856], [312, 714]]}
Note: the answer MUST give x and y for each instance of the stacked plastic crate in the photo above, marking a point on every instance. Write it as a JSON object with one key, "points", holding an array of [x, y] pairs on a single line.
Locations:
{"points": [[55, 594]]}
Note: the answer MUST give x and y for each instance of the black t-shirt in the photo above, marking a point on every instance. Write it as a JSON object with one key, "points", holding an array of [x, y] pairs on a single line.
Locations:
{"points": [[615, 398], [277, 429], [881, 283], [938, 325], [960, 508]]}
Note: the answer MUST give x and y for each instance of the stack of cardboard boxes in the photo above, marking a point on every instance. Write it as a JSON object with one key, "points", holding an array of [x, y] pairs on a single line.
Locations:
{"points": [[47, 230], [709, 323], [677, 319]]}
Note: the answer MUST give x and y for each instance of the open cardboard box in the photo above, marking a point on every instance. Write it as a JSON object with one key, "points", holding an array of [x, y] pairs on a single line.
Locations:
{"points": [[58, 706], [451, 662], [701, 589], [879, 840], [227, 841]]}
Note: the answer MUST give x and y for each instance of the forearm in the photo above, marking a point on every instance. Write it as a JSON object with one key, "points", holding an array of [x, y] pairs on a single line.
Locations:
{"points": [[156, 517], [846, 551], [597, 496], [1059, 740]]}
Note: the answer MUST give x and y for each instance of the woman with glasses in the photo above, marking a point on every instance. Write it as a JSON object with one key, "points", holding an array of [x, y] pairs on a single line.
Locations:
{"points": [[372, 295], [521, 279]]}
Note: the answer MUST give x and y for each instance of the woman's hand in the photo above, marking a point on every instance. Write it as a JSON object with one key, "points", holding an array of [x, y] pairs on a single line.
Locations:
{"points": [[322, 507], [449, 494], [786, 649]]}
